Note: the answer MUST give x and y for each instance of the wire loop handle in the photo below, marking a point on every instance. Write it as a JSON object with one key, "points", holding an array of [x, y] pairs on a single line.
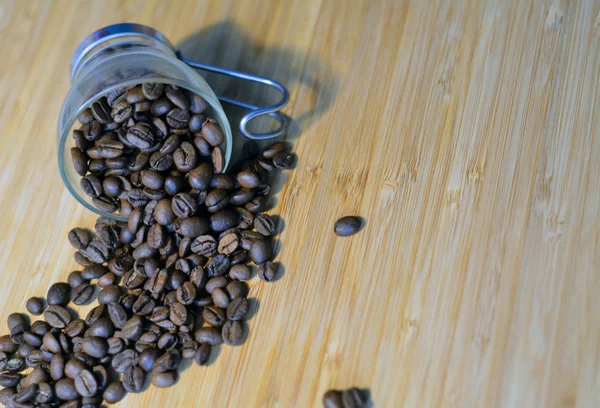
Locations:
{"points": [[255, 111]]}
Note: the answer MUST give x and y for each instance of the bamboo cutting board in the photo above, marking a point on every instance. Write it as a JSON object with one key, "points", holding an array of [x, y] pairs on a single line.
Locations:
{"points": [[466, 133]]}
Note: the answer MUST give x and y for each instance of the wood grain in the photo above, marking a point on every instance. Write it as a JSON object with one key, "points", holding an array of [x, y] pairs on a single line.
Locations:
{"points": [[466, 133]]}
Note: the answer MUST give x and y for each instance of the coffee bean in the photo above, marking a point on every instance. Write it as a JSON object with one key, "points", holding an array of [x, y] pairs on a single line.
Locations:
{"points": [[36, 376], [15, 320], [140, 136], [167, 362], [57, 316], [208, 335], [95, 346], [152, 91], [148, 357], [202, 354], [101, 111], [115, 345], [218, 266], [80, 161], [185, 157], [167, 341], [220, 298], [125, 359], [267, 271], [355, 398], [241, 196], [121, 112], [91, 185], [218, 159], [264, 224], [214, 315], [135, 94], [35, 306], [260, 251], [112, 186], [240, 272], [216, 200], [158, 281], [163, 380], [86, 384], [106, 280], [98, 252], [75, 328], [178, 314], [186, 293], [91, 131], [228, 244], [233, 333], [132, 329], [223, 220], [133, 379], [238, 309], [79, 238], [82, 294], [159, 313], [347, 226], [197, 103], [184, 205], [178, 99], [65, 389], [216, 282], [178, 118], [117, 314], [273, 150], [10, 380], [191, 227], [201, 176], [205, 245], [333, 399]]}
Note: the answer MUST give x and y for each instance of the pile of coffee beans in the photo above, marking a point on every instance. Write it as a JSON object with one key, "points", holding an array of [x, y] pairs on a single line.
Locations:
{"points": [[170, 282], [349, 398]]}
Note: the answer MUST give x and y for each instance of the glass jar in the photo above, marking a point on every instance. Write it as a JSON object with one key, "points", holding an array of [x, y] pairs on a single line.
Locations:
{"points": [[116, 57]]}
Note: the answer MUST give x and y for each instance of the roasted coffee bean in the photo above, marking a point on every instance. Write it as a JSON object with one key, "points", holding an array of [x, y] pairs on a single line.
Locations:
{"points": [[162, 162], [148, 357], [82, 294], [178, 99], [26, 394], [86, 384], [91, 185], [163, 380], [81, 141], [216, 282], [35, 306], [236, 289], [218, 160], [333, 399], [218, 266], [173, 185], [184, 205], [222, 181], [103, 328], [216, 200], [238, 309], [267, 271], [347, 226], [65, 389], [93, 272], [121, 112], [51, 342], [177, 278], [208, 335], [106, 280], [233, 333], [98, 252], [133, 379], [163, 213], [115, 345], [158, 281], [112, 186], [197, 103], [95, 346], [178, 314], [260, 251], [159, 313], [57, 367], [10, 380], [125, 359], [223, 220], [40, 328], [114, 393], [185, 157], [152, 179], [195, 124], [240, 272], [57, 316], [283, 161], [143, 306], [273, 150], [212, 133], [148, 213], [17, 333], [101, 111], [109, 149], [178, 118], [45, 393], [157, 237], [15, 320], [191, 227], [132, 329], [94, 314], [264, 224], [79, 238], [201, 176], [246, 218], [106, 204], [117, 314], [186, 293], [255, 205], [161, 106], [167, 341], [135, 94], [228, 244], [15, 364], [137, 198], [241, 196], [75, 328], [81, 258], [205, 245], [220, 298], [202, 354], [140, 136], [91, 131], [36, 376], [167, 362], [152, 91], [248, 179], [22, 352], [214, 315], [204, 149], [80, 161]]}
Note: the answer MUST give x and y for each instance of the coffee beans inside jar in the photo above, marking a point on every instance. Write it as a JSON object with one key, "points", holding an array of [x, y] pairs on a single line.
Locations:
{"points": [[171, 279]]}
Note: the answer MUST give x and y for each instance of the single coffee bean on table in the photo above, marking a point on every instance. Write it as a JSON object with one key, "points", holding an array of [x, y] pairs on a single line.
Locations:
{"points": [[347, 226]]}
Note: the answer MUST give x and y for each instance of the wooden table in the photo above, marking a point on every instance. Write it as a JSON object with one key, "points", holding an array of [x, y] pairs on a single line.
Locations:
{"points": [[466, 133]]}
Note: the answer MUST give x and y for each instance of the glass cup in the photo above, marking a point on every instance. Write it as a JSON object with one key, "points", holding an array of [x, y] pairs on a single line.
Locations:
{"points": [[117, 57]]}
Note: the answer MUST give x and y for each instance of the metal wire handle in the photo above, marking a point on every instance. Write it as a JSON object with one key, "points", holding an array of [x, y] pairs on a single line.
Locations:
{"points": [[255, 111]]}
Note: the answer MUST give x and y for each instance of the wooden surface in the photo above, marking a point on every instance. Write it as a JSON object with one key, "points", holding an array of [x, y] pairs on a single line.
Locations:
{"points": [[466, 133]]}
